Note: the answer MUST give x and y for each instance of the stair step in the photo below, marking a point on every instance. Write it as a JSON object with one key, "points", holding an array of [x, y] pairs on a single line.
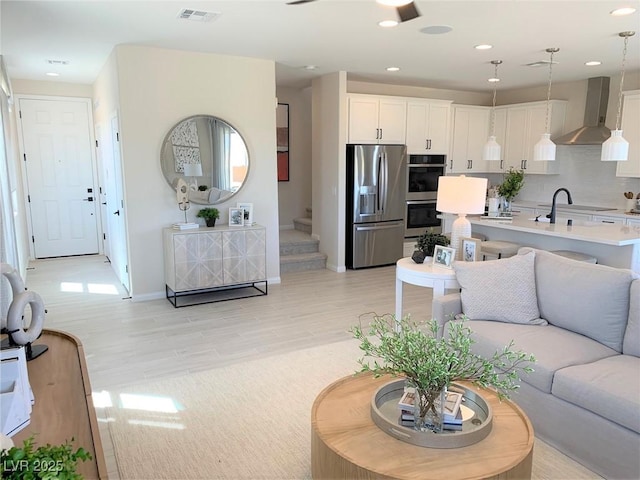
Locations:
{"points": [[293, 242], [303, 224], [304, 261]]}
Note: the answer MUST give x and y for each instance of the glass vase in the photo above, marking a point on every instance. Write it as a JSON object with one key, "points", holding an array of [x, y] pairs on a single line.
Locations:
{"points": [[506, 207], [428, 413]]}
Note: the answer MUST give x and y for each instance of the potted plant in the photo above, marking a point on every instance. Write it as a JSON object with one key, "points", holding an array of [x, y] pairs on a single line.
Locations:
{"points": [[426, 243], [46, 462], [512, 182], [431, 363], [210, 215]]}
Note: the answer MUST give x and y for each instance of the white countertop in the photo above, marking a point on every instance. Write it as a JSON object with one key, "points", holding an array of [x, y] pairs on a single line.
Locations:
{"points": [[616, 213], [595, 232]]}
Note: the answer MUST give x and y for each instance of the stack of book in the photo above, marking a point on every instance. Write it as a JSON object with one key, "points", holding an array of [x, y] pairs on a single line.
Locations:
{"points": [[452, 410], [185, 226]]}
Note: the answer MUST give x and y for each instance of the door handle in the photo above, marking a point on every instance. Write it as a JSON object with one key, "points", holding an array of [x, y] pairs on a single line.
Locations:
{"points": [[88, 199], [104, 203], [117, 212]]}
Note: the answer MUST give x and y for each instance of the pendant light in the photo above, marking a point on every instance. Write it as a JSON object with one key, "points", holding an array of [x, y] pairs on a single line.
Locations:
{"points": [[492, 148], [616, 148], [545, 149]]}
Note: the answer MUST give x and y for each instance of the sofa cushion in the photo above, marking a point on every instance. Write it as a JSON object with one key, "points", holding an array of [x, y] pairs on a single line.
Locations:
{"points": [[589, 299], [502, 290], [609, 387], [553, 347], [631, 342]]}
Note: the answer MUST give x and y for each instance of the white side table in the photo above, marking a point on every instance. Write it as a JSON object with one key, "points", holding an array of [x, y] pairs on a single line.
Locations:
{"points": [[424, 275]]}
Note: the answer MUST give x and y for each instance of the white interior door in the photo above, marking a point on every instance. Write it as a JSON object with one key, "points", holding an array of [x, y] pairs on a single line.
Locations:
{"points": [[103, 152], [116, 212], [59, 173]]}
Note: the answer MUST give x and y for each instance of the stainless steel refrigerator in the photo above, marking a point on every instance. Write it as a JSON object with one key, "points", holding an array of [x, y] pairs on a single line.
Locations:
{"points": [[376, 191]]}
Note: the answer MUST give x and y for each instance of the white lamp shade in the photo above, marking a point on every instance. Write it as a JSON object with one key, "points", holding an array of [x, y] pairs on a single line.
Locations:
{"points": [[545, 149], [193, 170], [616, 148], [460, 194], [492, 149]]}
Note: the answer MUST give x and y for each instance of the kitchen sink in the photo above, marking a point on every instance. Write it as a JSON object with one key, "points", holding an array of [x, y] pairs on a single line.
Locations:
{"points": [[564, 206]]}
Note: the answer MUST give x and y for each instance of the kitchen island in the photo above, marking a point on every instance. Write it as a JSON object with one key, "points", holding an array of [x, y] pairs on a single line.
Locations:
{"points": [[613, 245]]}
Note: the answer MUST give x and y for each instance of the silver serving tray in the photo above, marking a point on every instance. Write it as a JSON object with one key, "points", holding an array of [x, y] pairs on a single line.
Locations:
{"points": [[385, 414]]}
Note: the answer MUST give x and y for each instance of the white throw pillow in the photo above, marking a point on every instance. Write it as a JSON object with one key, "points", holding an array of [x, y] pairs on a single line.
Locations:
{"points": [[503, 290]]}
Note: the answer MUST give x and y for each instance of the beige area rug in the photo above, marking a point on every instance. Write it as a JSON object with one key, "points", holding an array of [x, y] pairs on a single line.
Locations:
{"points": [[245, 421]]}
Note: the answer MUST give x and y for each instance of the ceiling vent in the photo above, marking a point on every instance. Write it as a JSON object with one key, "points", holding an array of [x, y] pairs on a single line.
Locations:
{"points": [[197, 15], [58, 62], [540, 63]]}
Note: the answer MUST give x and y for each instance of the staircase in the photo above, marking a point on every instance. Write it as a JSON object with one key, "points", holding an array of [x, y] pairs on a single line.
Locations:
{"points": [[298, 251]]}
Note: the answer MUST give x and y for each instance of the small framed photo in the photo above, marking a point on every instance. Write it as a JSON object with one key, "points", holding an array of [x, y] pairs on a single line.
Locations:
{"points": [[444, 256], [470, 249], [248, 212], [236, 217]]}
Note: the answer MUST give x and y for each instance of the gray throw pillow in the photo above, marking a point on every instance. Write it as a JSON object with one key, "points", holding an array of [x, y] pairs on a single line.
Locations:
{"points": [[503, 290]]}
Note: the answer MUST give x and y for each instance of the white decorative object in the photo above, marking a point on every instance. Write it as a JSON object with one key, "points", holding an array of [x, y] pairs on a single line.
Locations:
{"points": [[616, 148], [15, 402], [248, 212], [545, 149], [462, 196], [236, 217]]}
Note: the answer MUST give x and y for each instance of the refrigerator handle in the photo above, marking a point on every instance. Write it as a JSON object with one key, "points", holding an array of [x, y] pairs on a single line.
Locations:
{"points": [[384, 184], [378, 180]]}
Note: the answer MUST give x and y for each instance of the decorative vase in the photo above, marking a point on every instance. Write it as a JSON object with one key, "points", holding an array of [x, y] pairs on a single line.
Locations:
{"points": [[211, 222], [506, 207], [418, 256], [428, 412]]}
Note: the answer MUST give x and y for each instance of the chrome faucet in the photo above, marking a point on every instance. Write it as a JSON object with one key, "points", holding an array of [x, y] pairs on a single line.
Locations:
{"points": [[552, 216]]}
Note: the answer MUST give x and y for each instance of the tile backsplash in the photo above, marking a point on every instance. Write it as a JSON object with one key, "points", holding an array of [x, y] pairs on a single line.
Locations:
{"points": [[590, 181]]}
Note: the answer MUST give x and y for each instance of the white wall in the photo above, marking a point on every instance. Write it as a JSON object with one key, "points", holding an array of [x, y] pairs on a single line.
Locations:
{"points": [[294, 196], [156, 89], [329, 166]]}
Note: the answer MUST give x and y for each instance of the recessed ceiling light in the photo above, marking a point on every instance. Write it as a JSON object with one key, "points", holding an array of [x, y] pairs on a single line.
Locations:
{"points": [[310, 67], [593, 64], [52, 74], [387, 23], [483, 46], [394, 3], [494, 80], [622, 11], [393, 69], [436, 29]]}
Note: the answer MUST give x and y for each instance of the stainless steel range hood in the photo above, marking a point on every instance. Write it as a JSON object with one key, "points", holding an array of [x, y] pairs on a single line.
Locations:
{"points": [[593, 132]]}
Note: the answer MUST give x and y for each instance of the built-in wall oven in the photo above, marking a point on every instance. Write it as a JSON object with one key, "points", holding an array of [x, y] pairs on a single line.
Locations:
{"points": [[423, 173]]}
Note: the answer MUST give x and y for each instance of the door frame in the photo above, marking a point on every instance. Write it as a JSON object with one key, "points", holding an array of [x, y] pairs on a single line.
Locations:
{"points": [[23, 175]]}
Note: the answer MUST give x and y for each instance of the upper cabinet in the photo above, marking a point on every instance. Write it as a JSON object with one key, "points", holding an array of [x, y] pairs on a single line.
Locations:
{"points": [[525, 123], [428, 126], [377, 119], [470, 133], [631, 132]]}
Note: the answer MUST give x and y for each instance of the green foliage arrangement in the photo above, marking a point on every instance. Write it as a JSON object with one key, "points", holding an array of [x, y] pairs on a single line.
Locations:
{"points": [[511, 184], [426, 243], [208, 213], [46, 462], [413, 350]]}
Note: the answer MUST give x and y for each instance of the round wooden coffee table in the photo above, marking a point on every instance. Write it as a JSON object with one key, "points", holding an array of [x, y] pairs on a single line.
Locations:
{"points": [[345, 443]]}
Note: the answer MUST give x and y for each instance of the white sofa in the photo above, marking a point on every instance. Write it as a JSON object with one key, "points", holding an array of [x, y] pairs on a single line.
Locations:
{"points": [[582, 323]]}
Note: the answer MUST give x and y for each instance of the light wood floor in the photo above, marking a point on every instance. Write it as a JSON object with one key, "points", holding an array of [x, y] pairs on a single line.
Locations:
{"points": [[129, 342]]}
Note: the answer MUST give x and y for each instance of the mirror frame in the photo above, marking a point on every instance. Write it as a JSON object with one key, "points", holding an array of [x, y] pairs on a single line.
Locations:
{"points": [[172, 177]]}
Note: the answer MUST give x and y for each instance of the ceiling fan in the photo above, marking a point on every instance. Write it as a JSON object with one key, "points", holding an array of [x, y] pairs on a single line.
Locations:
{"points": [[406, 12]]}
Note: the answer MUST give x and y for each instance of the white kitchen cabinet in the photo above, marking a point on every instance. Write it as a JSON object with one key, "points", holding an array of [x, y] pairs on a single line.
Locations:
{"points": [[630, 124], [428, 126], [633, 222], [377, 119], [525, 123], [470, 133], [212, 259]]}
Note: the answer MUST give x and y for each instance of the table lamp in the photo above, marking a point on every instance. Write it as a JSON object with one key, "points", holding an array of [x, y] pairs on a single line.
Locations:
{"points": [[462, 196], [193, 170]]}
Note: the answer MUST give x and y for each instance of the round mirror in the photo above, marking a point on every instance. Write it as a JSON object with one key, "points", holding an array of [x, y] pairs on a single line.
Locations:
{"points": [[209, 154]]}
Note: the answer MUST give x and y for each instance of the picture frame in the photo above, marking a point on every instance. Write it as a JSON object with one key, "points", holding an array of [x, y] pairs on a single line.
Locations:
{"points": [[248, 212], [236, 217], [444, 256], [470, 249]]}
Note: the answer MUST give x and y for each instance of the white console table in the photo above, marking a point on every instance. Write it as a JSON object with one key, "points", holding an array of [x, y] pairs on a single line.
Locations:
{"points": [[215, 264], [424, 275]]}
